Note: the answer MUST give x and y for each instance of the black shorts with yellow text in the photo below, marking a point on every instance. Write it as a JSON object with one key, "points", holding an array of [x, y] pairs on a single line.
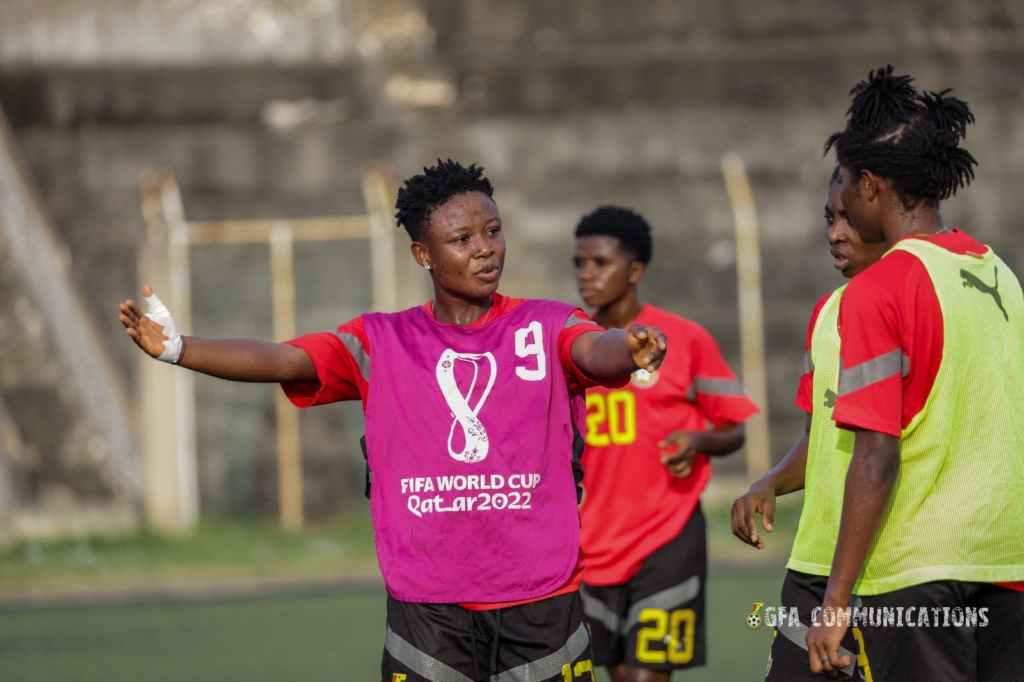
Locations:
{"points": [[656, 619], [545, 640], [946, 631], [788, 660]]}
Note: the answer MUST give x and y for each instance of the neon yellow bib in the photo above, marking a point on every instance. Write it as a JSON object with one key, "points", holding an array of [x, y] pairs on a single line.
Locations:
{"points": [[829, 451], [957, 512]]}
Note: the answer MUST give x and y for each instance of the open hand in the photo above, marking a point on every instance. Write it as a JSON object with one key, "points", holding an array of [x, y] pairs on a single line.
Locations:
{"points": [[647, 345], [678, 451], [760, 499], [155, 331]]}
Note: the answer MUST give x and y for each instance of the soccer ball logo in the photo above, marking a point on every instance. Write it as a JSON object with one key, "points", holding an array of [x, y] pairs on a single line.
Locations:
{"points": [[644, 379], [754, 620]]}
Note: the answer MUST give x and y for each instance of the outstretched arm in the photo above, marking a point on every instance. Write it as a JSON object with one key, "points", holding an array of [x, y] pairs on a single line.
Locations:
{"points": [[617, 353], [234, 359], [786, 477]]}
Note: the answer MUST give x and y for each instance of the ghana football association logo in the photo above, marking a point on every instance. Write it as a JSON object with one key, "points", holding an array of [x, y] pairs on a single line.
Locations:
{"points": [[753, 619], [644, 379]]}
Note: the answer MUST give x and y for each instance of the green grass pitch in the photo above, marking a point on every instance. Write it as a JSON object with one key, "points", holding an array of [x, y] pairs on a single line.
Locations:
{"points": [[336, 637]]}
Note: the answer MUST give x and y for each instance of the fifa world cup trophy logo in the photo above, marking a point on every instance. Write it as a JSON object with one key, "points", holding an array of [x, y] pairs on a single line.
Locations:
{"points": [[475, 443]]}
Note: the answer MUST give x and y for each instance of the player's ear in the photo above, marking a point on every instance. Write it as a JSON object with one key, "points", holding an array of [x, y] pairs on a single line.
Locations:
{"points": [[636, 271], [419, 252], [868, 184]]}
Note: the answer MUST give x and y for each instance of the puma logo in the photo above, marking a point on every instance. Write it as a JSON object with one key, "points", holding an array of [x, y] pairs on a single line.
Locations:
{"points": [[830, 398], [972, 282]]}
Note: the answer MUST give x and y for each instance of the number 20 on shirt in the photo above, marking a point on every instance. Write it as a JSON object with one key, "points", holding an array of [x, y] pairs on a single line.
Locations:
{"points": [[611, 418]]}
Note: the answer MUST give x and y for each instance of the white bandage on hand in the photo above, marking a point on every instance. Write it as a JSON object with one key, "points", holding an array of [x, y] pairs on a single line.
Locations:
{"points": [[158, 312]]}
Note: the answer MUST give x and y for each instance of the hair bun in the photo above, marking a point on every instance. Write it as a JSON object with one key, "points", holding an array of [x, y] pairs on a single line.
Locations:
{"points": [[948, 113], [883, 101]]}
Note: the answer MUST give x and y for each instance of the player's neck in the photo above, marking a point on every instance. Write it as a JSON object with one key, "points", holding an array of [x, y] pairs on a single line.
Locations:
{"points": [[621, 313], [457, 310], [922, 221]]}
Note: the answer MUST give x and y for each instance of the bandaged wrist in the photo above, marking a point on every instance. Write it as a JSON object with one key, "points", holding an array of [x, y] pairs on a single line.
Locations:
{"points": [[158, 312]]}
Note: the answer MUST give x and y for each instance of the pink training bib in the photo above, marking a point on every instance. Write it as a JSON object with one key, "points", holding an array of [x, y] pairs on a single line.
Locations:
{"points": [[469, 434]]}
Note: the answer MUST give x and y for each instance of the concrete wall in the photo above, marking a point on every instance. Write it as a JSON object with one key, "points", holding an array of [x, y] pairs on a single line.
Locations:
{"points": [[179, 32], [567, 105]]}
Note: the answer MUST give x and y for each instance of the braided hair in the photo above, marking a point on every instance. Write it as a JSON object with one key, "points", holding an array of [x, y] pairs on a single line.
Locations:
{"points": [[910, 138], [433, 188], [629, 227]]}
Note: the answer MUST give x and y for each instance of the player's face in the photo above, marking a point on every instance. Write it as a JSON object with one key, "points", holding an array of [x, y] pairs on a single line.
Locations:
{"points": [[850, 255], [604, 272], [464, 246], [864, 215]]}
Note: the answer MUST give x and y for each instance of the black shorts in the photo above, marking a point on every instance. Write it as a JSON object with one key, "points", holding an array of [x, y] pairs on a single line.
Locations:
{"points": [[543, 640], [788, 660], [656, 620], [988, 648]]}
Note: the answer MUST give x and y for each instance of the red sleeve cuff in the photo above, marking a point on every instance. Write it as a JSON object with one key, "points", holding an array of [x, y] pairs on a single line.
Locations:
{"points": [[805, 392], [804, 404], [335, 369], [305, 394], [854, 423], [573, 373]]}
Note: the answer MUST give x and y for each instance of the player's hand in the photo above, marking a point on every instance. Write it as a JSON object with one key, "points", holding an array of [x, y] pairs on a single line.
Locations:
{"points": [[823, 642], [155, 331], [678, 452], [760, 499], [647, 345]]}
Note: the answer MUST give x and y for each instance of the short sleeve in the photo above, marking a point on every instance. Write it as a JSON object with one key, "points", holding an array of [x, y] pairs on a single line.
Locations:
{"points": [[576, 325], [805, 391], [715, 389], [870, 379], [342, 362], [891, 337]]}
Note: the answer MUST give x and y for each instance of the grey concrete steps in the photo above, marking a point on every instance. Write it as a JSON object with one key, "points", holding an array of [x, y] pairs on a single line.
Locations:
{"points": [[65, 392]]}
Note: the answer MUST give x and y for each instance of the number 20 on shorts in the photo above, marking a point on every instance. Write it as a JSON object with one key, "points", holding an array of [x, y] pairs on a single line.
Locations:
{"points": [[675, 629], [611, 418]]}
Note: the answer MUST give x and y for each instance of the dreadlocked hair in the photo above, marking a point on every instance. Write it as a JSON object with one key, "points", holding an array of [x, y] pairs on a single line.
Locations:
{"points": [[629, 227], [424, 193], [949, 113], [910, 138]]}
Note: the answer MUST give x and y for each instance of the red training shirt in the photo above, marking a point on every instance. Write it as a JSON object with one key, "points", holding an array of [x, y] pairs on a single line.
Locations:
{"points": [[632, 505], [342, 365], [891, 311], [892, 307]]}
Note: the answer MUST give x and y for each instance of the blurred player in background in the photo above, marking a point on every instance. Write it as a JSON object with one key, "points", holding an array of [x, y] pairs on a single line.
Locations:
{"points": [[932, 385], [473, 405], [816, 464], [646, 465]]}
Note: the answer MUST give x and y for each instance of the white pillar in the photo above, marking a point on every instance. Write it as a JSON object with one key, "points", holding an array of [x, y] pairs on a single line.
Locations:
{"points": [[751, 310]]}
